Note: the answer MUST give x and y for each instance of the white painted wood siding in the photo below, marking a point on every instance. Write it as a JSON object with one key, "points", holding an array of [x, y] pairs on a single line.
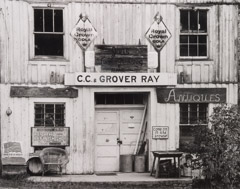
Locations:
{"points": [[116, 23]]}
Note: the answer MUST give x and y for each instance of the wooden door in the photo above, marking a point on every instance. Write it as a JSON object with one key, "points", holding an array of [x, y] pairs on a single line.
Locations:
{"points": [[111, 125], [107, 133]]}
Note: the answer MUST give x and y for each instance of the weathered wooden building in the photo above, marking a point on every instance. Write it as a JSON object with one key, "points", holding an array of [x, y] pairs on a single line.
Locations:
{"points": [[95, 102]]}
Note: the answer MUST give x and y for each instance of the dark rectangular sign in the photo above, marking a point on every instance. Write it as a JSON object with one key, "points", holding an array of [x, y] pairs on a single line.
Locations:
{"points": [[121, 58], [191, 95], [50, 136]]}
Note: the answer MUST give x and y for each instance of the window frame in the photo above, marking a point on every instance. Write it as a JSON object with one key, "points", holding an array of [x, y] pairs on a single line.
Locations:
{"points": [[178, 32], [191, 125], [50, 103], [189, 113], [34, 57]]}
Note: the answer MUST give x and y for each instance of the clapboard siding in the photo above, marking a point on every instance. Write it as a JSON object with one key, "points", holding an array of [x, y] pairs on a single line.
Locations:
{"points": [[116, 23]]}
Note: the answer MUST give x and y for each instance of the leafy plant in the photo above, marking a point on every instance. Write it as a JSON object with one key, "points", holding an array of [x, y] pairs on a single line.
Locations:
{"points": [[218, 147]]}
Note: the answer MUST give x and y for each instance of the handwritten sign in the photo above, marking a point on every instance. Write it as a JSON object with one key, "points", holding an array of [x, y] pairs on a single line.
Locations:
{"points": [[158, 35], [121, 58], [160, 132], [191, 95], [120, 79], [12, 149], [84, 33], [50, 136]]}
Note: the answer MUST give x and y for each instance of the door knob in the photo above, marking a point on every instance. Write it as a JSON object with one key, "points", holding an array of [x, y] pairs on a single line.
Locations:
{"points": [[119, 142]]}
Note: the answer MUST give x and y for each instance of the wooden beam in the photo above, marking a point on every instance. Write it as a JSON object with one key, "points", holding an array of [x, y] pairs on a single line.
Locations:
{"points": [[43, 92]]}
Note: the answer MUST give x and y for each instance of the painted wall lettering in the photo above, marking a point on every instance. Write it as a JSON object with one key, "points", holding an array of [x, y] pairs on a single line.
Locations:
{"points": [[190, 95]]}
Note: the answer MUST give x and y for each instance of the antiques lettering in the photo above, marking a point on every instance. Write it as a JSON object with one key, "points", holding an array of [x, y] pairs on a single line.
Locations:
{"points": [[192, 97]]}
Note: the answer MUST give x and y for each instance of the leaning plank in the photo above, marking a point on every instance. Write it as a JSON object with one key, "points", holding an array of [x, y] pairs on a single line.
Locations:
{"points": [[43, 92]]}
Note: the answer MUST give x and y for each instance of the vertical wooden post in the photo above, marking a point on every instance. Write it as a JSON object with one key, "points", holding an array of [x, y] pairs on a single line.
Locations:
{"points": [[159, 68], [83, 54]]}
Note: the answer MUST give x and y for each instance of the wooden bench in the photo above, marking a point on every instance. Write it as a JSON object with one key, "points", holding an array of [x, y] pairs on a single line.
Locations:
{"points": [[53, 157]]}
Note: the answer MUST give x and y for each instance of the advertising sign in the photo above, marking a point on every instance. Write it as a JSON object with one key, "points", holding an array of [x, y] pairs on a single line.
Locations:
{"points": [[12, 149], [160, 132], [158, 34], [84, 32], [50, 136], [121, 58], [120, 79], [191, 95]]}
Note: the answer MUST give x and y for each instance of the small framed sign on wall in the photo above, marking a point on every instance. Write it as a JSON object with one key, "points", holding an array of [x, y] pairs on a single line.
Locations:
{"points": [[160, 132]]}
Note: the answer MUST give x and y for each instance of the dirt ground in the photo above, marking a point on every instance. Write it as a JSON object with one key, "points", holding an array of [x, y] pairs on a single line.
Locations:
{"points": [[22, 183]]}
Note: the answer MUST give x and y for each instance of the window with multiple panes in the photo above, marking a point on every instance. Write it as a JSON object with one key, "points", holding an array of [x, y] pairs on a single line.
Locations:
{"points": [[120, 98], [192, 115], [48, 32], [49, 114], [193, 33]]}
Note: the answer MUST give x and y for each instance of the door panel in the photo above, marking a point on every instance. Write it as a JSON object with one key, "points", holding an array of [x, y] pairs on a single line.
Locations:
{"points": [[107, 132], [130, 123]]}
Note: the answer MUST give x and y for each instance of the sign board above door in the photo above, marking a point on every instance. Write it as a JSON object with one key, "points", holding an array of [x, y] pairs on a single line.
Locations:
{"points": [[121, 58], [120, 79]]}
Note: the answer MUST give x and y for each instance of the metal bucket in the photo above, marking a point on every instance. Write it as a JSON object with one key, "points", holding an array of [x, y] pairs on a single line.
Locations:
{"points": [[126, 163], [139, 163]]}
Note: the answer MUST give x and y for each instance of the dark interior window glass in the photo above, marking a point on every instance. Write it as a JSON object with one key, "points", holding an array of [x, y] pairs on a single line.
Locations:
{"points": [[138, 99], [184, 20], [129, 98], [38, 20], [120, 98], [193, 50], [183, 39], [184, 114], [46, 23], [110, 99], [202, 50], [48, 18], [194, 20], [49, 44], [203, 21], [58, 18], [100, 99]]}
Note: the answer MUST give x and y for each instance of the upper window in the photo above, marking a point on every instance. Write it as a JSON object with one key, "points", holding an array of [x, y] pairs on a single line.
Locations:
{"points": [[193, 33], [49, 115], [48, 32]]}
